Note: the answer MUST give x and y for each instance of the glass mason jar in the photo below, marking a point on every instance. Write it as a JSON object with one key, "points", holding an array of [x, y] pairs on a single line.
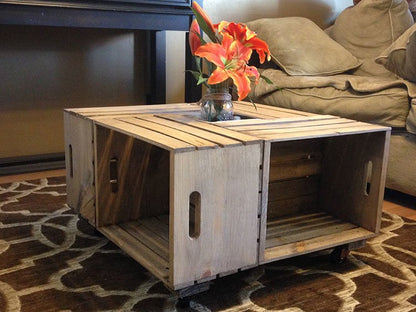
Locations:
{"points": [[217, 105]]}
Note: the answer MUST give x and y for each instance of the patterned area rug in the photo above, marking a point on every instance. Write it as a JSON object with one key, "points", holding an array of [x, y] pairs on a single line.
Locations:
{"points": [[50, 260]]}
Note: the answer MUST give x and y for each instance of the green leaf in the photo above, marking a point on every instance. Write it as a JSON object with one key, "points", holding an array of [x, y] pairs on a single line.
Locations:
{"points": [[199, 77], [201, 80], [268, 81], [211, 67], [194, 73], [201, 39], [204, 26], [251, 101], [198, 63]]}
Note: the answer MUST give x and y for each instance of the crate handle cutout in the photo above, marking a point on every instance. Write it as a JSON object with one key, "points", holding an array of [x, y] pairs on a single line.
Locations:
{"points": [[194, 215], [113, 175], [71, 162], [368, 173]]}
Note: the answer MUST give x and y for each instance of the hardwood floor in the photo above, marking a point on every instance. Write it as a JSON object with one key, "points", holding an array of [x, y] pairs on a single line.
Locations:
{"points": [[400, 204], [394, 202], [32, 176]]}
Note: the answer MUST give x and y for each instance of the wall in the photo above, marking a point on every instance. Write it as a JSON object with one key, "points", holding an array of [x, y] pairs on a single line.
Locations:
{"points": [[46, 69], [321, 12]]}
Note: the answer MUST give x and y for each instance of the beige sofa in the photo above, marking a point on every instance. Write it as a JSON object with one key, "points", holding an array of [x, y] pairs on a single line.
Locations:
{"points": [[363, 67]]}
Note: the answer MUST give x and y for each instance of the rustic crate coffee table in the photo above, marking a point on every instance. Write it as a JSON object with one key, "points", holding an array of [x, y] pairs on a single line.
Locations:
{"points": [[192, 201]]}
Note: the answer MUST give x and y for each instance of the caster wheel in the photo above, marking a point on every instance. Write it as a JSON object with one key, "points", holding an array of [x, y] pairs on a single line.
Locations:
{"points": [[98, 233], [183, 302], [340, 254]]}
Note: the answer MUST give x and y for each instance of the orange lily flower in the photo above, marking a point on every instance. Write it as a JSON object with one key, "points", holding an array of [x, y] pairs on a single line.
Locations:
{"points": [[230, 57], [194, 39], [247, 37]]}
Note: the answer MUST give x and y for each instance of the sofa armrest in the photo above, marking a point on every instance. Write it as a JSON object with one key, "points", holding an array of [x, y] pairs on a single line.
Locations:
{"points": [[411, 118]]}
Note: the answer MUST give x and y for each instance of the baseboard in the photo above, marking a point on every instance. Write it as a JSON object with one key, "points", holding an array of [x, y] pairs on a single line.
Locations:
{"points": [[25, 164]]}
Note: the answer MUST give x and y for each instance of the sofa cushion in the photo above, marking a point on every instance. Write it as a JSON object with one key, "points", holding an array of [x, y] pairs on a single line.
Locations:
{"points": [[401, 167], [370, 99], [411, 118], [370, 27], [387, 107], [400, 57], [300, 47]]}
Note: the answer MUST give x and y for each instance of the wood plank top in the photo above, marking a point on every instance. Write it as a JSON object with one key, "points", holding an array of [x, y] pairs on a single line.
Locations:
{"points": [[177, 127], [150, 136], [89, 112]]}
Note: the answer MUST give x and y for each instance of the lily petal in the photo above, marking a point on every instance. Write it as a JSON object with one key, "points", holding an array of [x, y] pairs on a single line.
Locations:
{"points": [[237, 50], [194, 41], [261, 48], [252, 72], [221, 25], [237, 31], [219, 75], [242, 82], [213, 52]]}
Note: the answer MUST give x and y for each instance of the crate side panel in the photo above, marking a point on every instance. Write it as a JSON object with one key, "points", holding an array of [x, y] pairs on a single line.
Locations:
{"points": [[132, 178], [349, 189], [227, 180], [79, 158]]}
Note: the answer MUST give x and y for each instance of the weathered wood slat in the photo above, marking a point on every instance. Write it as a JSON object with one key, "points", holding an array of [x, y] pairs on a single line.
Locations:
{"points": [[137, 250], [293, 188], [295, 169], [229, 137], [147, 135], [314, 244], [142, 109], [285, 207], [303, 234], [316, 132], [299, 150], [313, 125], [289, 160], [136, 114], [248, 109], [253, 113], [160, 229], [295, 218], [271, 127], [211, 138], [299, 226], [198, 142], [148, 237], [258, 124]]}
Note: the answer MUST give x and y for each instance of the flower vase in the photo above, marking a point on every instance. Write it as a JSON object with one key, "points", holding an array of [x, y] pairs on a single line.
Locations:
{"points": [[217, 105]]}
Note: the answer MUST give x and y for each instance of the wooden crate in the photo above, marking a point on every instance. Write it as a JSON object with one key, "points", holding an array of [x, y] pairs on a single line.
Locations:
{"points": [[192, 201], [179, 198], [322, 184]]}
